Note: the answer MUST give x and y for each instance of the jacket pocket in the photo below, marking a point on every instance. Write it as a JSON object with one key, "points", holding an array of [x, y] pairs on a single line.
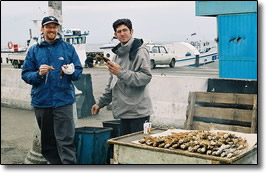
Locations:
{"points": [[41, 95], [37, 89]]}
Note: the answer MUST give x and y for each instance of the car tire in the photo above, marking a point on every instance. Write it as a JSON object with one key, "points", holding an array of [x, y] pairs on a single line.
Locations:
{"points": [[15, 64], [153, 64], [172, 63]]}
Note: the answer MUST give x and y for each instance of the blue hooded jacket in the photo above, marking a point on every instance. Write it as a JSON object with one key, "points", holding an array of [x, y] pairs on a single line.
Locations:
{"points": [[51, 91]]}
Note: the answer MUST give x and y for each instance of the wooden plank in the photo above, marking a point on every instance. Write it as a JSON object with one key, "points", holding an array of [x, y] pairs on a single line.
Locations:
{"points": [[224, 113], [224, 98], [126, 154], [196, 125], [254, 116], [218, 116], [190, 110], [249, 157], [118, 144], [130, 155], [115, 154]]}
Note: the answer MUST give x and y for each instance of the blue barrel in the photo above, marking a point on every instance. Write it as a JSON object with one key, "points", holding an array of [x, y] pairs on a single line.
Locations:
{"points": [[115, 125], [91, 144], [116, 131]]}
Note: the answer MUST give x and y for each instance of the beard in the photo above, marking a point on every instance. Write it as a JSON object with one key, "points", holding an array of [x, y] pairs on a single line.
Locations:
{"points": [[51, 36]]}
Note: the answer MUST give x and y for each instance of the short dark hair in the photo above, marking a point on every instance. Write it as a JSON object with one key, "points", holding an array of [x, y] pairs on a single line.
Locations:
{"points": [[119, 22]]}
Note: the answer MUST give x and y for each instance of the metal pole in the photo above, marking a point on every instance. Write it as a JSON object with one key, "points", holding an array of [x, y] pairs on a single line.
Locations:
{"points": [[197, 61], [55, 9], [30, 34]]}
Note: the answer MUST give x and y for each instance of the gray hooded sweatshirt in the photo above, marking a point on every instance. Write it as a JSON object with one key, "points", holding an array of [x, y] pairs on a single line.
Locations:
{"points": [[128, 91]]}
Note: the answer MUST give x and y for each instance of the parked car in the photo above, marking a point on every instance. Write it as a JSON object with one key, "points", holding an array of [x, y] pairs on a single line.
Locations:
{"points": [[160, 56]]}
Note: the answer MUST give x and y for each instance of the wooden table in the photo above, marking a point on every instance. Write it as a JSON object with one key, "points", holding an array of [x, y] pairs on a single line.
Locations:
{"points": [[128, 152]]}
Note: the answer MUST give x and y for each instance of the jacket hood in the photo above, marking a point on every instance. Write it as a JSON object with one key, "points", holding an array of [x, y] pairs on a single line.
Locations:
{"points": [[133, 50], [41, 41]]}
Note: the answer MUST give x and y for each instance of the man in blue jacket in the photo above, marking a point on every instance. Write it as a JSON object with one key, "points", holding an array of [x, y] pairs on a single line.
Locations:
{"points": [[50, 67]]}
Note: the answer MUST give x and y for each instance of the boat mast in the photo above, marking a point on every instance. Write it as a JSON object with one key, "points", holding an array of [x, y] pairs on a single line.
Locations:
{"points": [[55, 9]]}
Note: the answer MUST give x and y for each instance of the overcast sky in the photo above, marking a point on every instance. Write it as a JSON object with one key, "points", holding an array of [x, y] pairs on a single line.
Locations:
{"points": [[159, 21]]}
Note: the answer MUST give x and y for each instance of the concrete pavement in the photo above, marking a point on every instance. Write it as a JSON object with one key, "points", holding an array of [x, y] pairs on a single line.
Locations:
{"points": [[17, 131]]}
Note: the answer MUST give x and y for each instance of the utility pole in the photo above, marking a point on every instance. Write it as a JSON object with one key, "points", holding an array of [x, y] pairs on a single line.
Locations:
{"points": [[55, 9]]}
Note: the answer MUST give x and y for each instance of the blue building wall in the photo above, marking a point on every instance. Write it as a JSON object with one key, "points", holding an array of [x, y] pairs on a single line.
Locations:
{"points": [[214, 8], [238, 46], [237, 35]]}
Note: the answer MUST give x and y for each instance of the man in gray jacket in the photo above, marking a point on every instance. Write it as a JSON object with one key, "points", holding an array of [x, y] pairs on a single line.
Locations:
{"points": [[130, 73]]}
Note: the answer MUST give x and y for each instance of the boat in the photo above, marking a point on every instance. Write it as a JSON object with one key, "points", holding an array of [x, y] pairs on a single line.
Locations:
{"points": [[107, 50], [78, 40], [184, 53], [75, 37], [107, 47], [72, 36], [13, 50], [187, 52]]}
